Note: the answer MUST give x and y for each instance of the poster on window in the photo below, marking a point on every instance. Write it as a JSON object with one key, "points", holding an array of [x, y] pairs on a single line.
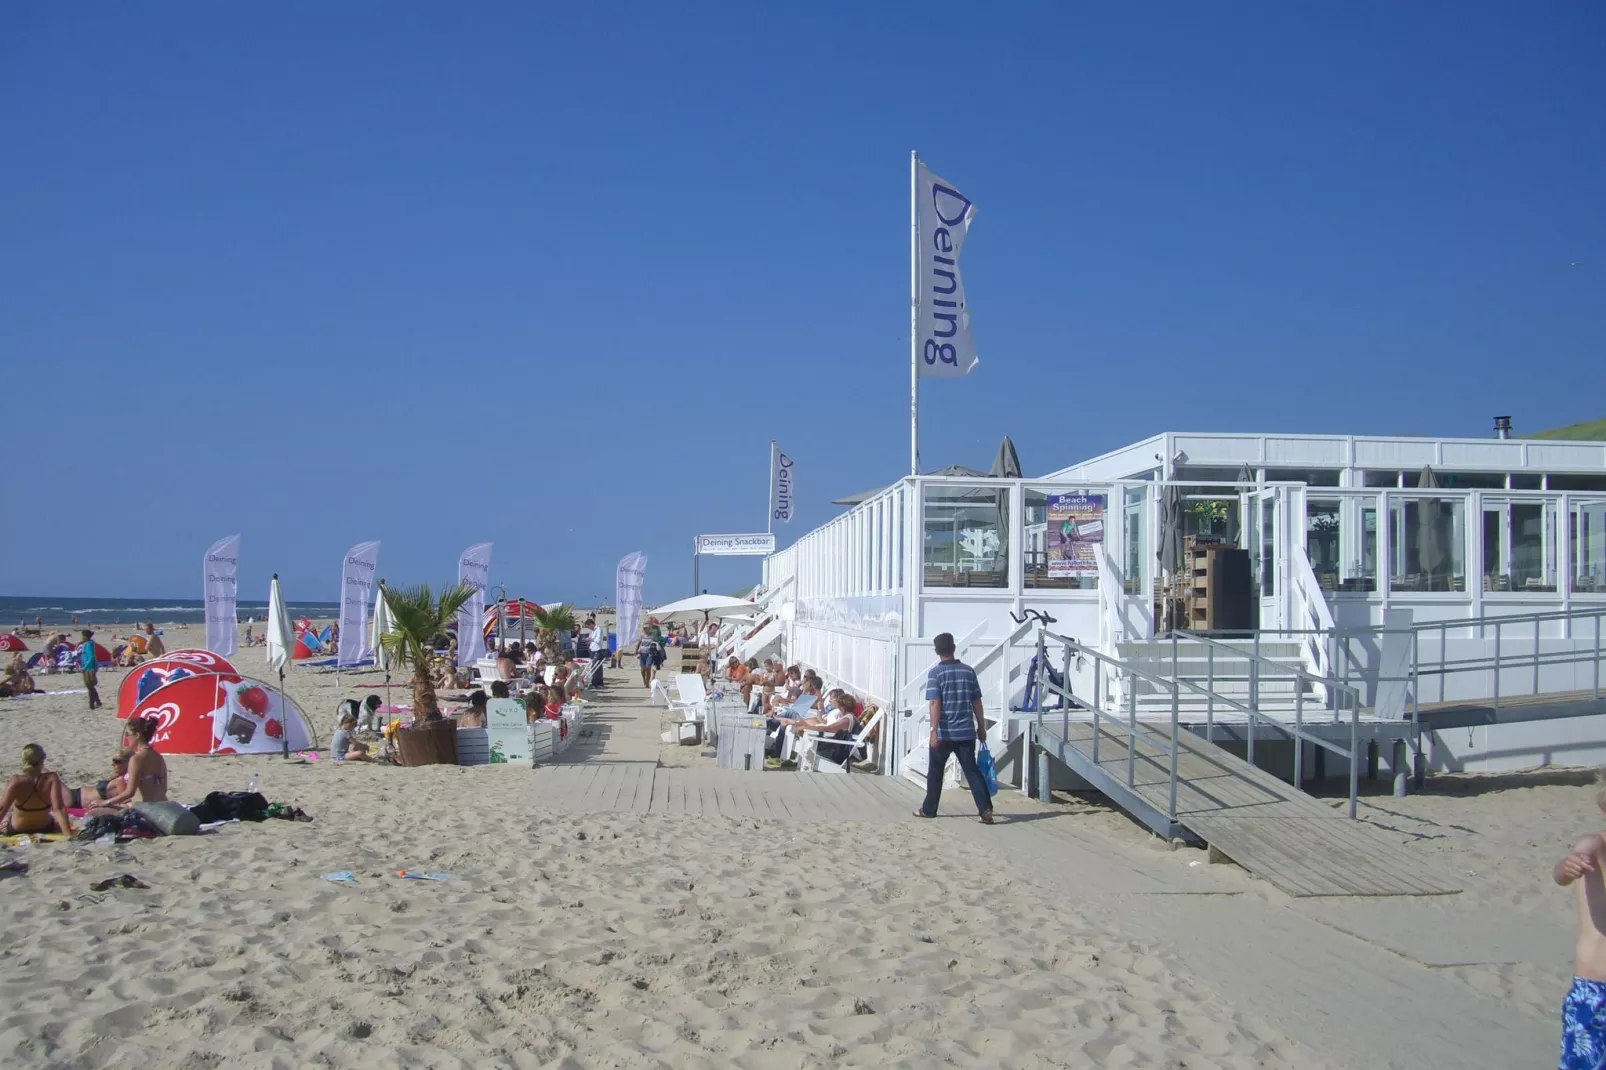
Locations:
{"points": [[1075, 532]]}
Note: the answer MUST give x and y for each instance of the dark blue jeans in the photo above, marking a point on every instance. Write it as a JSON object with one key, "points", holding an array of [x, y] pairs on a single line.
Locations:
{"points": [[965, 750]]}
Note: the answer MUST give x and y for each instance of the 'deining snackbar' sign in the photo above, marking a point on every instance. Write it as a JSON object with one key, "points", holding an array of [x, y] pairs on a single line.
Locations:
{"points": [[734, 545]]}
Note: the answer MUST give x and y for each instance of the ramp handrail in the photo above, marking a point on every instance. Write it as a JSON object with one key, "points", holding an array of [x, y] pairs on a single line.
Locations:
{"points": [[1333, 689], [1045, 684], [1311, 609], [1497, 662]]}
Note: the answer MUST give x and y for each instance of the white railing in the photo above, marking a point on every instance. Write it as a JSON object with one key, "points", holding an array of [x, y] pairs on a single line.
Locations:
{"points": [[1123, 618], [1311, 614]]}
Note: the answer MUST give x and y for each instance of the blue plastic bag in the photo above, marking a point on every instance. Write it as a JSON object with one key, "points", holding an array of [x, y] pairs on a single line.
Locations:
{"points": [[984, 765]]}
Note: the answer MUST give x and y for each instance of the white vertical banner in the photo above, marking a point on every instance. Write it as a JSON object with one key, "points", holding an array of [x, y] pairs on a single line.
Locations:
{"points": [[357, 573], [944, 347], [628, 583], [781, 489], [473, 570], [220, 567]]}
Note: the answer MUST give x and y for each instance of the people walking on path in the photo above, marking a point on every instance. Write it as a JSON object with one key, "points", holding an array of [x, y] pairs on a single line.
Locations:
{"points": [[89, 667], [954, 696]]}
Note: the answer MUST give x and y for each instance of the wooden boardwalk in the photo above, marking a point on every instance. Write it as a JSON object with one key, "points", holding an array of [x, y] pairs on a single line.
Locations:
{"points": [[1272, 829], [615, 769], [638, 787]]}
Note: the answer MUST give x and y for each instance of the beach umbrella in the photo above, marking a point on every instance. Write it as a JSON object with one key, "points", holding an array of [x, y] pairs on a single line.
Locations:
{"points": [[280, 640], [709, 605], [12, 643]]}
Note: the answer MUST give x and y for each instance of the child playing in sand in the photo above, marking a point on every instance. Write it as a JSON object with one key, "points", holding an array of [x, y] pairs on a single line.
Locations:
{"points": [[1583, 1012], [344, 746]]}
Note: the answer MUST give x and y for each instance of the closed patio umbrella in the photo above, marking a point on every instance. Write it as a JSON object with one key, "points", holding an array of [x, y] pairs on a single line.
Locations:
{"points": [[281, 641], [382, 622], [1007, 464], [1432, 540]]}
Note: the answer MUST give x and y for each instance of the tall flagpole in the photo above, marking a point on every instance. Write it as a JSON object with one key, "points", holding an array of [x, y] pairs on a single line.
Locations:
{"points": [[769, 514], [914, 314]]}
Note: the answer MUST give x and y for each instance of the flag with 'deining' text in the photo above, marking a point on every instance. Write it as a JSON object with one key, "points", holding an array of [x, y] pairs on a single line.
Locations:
{"points": [[944, 348]]}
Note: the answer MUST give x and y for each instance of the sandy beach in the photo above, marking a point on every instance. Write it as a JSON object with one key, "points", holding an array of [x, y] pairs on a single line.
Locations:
{"points": [[592, 928]]}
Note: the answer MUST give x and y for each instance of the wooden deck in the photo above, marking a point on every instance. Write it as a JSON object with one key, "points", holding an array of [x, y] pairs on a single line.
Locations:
{"points": [[1302, 845], [1547, 705]]}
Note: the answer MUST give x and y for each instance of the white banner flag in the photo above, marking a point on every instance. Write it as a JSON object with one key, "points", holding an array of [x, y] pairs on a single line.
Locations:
{"points": [[781, 492], [473, 570], [943, 216], [628, 582], [221, 563], [357, 573]]}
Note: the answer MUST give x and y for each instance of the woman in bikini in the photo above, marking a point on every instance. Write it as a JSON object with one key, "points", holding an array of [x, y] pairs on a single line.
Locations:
{"points": [[85, 798], [34, 800], [147, 770]]}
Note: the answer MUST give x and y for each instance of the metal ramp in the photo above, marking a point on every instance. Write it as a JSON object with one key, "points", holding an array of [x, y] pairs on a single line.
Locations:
{"points": [[1269, 827], [1176, 782]]}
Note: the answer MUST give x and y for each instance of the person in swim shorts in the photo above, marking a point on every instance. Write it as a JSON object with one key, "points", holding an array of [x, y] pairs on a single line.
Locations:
{"points": [[1583, 1011]]}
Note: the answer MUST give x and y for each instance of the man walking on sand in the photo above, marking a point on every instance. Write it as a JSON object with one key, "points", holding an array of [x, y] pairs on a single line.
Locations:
{"points": [[954, 696], [1583, 1012], [86, 663]]}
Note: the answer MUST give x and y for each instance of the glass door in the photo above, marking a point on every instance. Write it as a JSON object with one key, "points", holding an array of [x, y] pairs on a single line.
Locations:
{"points": [[1135, 554], [1266, 553], [1518, 543]]}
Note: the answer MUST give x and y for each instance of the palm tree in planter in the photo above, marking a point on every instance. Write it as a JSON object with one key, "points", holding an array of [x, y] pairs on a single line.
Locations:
{"points": [[417, 617], [550, 625]]}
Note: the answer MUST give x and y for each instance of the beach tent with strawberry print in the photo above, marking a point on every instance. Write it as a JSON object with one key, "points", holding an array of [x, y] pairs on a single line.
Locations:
{"points": [[210, 713], [168, 669]]}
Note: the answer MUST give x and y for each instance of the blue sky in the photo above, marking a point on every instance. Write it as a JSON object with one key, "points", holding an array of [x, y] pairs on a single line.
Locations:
{"points": [[553, 275]]}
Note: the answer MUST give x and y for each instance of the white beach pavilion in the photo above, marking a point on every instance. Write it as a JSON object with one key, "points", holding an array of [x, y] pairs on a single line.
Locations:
{"points": [[1359, 549]]}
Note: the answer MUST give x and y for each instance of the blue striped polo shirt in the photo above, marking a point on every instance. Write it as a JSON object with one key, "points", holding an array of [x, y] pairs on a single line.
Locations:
{"points": [[954, 684]]}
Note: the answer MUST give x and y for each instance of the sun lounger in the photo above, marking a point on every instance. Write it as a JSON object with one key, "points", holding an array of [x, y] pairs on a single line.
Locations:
{"points": [[810, 760]]}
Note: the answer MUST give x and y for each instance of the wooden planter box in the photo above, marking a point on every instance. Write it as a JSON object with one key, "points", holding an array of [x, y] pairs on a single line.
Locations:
{"points": [[434, 743]]}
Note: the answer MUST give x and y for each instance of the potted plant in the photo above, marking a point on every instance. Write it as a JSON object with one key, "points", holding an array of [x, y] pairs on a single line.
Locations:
{"points": [[417, 617], [551, 625]]}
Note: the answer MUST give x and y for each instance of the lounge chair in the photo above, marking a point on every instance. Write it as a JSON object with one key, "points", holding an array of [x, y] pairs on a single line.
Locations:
{"points": [[810, 760]]}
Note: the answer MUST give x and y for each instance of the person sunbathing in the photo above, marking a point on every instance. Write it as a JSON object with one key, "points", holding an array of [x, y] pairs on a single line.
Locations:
{"points": [[147, 769], [18, 679], [840, 715], [91, 797], [34, 800], [474, 716], [155, 648]]}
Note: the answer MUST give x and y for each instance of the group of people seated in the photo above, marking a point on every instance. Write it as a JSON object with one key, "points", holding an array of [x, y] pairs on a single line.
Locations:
{"points": [[773, 690], [36, 799]]}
